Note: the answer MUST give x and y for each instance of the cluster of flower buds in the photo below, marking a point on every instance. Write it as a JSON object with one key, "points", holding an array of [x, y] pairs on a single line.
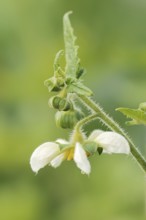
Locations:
{"points": [[68, 114], [67, 85]]}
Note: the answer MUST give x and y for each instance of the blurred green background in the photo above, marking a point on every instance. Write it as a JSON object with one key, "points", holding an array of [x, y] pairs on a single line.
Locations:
{"points": [[112, 39]]}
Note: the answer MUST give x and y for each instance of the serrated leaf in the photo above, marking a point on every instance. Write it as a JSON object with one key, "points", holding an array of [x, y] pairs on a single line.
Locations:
{"points": [[71, 50], [137, 115], [79, 88]]}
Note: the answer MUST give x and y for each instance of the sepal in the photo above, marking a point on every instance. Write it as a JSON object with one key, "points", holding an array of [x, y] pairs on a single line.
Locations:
{"points": [[90, 147], [99, 150]]}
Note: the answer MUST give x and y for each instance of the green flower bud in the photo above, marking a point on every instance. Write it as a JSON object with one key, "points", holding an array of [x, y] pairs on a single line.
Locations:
{"points": [[67, 119], [64, 105], [59, 103], [54, 102], [54, 84]]}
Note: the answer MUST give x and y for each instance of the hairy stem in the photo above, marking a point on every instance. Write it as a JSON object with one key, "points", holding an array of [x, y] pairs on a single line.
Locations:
{"points": [[85, 121], [110, 123]]}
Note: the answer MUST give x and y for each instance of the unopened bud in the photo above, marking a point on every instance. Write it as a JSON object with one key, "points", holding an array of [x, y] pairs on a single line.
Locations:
{"points": [[54, 84], [59, 103], [67, 119]]}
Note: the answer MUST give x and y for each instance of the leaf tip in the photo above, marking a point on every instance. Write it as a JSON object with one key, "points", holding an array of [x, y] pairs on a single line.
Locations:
{"points": [[66, 15]]}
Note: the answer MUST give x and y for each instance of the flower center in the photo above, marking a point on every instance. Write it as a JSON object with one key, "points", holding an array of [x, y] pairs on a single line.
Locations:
{"points": [[69, 154]]}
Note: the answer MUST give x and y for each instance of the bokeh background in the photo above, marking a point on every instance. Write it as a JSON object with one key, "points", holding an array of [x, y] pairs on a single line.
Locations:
{"points": [[112, 39]]}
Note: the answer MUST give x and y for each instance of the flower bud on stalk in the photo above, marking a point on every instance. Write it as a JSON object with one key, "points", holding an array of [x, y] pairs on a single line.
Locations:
{"points": [[54, 84], [68, 119], [60, 103]]}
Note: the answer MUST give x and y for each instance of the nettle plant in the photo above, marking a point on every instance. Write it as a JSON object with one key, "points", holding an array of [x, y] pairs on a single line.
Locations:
{"points": [[68, 85]]}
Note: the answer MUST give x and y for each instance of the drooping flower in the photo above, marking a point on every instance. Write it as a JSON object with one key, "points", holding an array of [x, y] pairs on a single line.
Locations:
{"points": [[50, 153], [54, 153], [110, 141]]}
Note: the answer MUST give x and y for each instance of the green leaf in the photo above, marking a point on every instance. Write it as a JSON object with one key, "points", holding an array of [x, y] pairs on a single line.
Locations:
{"points": [[79, 88], [71, 50], [138, 116]]}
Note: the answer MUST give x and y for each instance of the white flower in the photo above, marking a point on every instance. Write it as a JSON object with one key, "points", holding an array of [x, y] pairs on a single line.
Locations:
{"points": [[110, 141], [81, 160], [54, 153], [78, 154], [50, 153], [43, 155], [62, 141]]}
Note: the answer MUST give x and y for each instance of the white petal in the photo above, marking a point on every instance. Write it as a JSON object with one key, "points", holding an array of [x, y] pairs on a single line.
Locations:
{"points": [[56, 162], [62, 141], [95, 134], [113, 142], [81, 159], [43, 155]]}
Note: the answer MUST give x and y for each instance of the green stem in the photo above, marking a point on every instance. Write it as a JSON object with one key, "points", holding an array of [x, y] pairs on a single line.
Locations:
{"points": [[78, 135], [110, 123], [85, 121]]}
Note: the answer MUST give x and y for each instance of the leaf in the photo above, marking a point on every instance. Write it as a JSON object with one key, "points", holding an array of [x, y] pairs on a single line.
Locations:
{"points": [[138, 116], [71, 50], [79, 88]]}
